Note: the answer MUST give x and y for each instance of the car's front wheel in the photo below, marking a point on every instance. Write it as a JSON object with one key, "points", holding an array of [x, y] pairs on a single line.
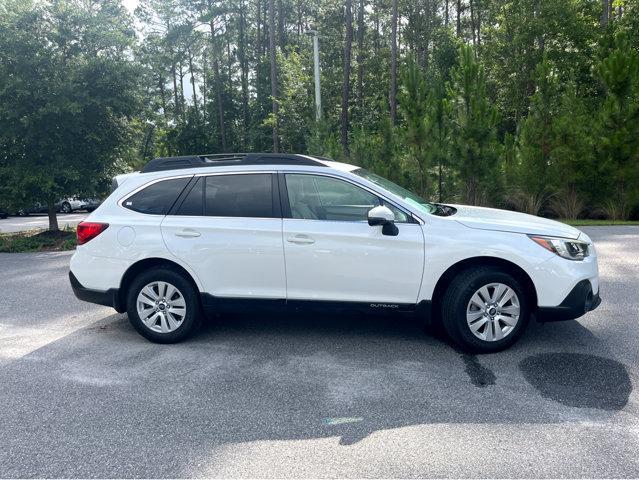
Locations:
{"points": [[485, 310], [163, 306]]}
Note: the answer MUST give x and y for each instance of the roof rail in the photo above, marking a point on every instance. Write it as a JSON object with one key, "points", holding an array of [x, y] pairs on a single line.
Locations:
{"points": [[227, 159]]}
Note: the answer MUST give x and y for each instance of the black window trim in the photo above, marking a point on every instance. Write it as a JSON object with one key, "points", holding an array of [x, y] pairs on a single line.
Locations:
{"points": [[183, 196], [286, 206]]}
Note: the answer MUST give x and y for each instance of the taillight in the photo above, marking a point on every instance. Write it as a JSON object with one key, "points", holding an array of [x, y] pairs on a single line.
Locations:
{"points": [[89, 230]]}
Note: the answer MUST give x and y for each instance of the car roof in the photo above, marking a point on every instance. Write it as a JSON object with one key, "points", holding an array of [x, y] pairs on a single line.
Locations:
{"points": [[240, 159]]}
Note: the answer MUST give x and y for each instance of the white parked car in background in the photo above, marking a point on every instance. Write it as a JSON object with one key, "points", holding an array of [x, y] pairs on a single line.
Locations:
{"points": [[188, 235]]}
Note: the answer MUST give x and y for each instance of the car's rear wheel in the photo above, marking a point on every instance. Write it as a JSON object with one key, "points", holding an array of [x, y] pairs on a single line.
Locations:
{"points": [[163, 306], [485, 310]]}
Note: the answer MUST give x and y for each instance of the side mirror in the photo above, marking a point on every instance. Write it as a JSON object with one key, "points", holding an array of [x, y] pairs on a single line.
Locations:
{"points": [[380, 216], [383, 216]]}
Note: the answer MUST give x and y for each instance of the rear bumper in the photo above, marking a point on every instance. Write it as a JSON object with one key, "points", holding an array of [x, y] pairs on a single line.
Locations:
{"points": [[579, 301], [109, 298]]}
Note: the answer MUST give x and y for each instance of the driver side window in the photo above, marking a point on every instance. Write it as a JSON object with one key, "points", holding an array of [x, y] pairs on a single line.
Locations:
{"points": [[316, 197]]}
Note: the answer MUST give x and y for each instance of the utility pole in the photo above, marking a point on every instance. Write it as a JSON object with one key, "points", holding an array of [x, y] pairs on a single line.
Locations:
{"points": [[318, 95]]}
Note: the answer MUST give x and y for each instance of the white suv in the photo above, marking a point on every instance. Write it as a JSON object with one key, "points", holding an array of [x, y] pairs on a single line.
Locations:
{"points": [[188, 235]]}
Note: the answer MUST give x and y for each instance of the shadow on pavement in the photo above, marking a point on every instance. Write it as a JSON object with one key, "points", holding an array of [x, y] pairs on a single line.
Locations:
{"points": [[256, 377]]}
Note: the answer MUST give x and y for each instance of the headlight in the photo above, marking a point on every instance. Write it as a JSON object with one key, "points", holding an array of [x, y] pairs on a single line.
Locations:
{"points": [[570, 249]]}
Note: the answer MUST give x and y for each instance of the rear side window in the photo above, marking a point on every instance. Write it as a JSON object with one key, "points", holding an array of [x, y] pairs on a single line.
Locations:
{"points": [[247, 195], [156, 199]]}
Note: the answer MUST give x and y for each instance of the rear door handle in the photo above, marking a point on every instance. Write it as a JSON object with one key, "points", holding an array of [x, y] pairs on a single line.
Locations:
{"points": [[300, 240], [188, 234]]}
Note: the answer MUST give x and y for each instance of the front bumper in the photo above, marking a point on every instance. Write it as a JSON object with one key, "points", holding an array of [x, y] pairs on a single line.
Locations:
{"points": [[579, 301], [109, 298]]}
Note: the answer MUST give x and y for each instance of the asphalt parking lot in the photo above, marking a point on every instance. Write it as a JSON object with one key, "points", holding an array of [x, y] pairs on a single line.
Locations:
{"points": [[307, 396], [32, 222]]}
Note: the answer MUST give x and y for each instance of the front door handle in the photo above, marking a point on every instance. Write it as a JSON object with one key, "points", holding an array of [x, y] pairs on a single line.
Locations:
{"points": [[188, 233], [300, 240]]}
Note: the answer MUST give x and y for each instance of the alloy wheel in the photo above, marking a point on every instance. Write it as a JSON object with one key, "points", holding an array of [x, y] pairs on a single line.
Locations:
{"points": [[161, 307], [493, 312]]}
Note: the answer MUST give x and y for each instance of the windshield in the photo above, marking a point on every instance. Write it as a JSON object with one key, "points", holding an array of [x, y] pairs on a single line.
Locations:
{"points": [[408, 196]]}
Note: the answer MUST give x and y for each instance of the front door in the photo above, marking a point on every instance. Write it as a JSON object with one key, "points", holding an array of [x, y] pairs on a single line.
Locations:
{"points": [[332, 254]]}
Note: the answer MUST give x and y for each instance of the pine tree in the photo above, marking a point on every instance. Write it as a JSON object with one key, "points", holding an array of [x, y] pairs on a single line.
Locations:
{"points": [[535, 176], [413, 104], [474, 134], [617, 132]]}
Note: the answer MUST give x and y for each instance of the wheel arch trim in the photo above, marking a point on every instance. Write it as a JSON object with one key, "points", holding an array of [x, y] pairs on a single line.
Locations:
{"points": [[141, 265], [483, 261]]}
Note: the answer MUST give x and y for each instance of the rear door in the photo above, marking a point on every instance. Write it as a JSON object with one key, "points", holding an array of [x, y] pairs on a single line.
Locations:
{"points": [[228, 229]]}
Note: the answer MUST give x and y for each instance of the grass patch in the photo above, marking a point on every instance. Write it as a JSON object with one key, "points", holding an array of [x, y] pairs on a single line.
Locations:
{"points": [[598, 223], [38, 241]]}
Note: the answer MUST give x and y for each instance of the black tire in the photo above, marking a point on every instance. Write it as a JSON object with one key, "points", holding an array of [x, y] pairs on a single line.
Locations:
{"points": [[192, 319], [455, 304], [65, 207]]}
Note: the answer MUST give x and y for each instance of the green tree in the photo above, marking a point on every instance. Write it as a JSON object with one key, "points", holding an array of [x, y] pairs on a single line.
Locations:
{"points": [[474, 121], [68, 90], [536, 179], [413, 105], [617, 131], [518, 33], [295, 103]]}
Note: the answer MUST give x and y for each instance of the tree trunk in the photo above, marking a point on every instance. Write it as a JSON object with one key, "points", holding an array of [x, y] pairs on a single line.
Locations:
{"points": [[265, 39], [229, 63], [440, 182], [392, 97], [280, 25], [217, 81], [182, 101], [346, 90], [360, 56], [446, 14], [53, 216], [472, 22], [258, 36], [243, 71], [192, 73], [427, 26], [459, 8], [163, 98], [176, 106], [271, 48], [478, 15], [605, 8], [376, 16], [220, 105], [147, 142], [205, 87]]}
